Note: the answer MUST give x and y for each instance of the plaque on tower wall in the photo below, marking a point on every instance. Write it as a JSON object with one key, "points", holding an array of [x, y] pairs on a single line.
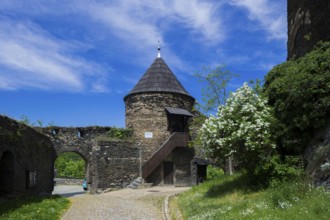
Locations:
{"points": [[148, 134]]}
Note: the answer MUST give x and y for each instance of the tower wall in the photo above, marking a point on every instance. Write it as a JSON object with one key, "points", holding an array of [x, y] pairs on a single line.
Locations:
{"points": [[308, 23], [145, 112]]}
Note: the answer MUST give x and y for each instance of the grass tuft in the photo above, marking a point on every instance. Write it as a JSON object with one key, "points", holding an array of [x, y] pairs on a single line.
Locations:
{"points": [[231, 197], [49, 207]]}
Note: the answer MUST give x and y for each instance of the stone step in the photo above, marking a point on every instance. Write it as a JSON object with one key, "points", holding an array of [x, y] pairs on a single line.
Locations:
{"points": [[138, 183], [145, 185], [135, 183]]}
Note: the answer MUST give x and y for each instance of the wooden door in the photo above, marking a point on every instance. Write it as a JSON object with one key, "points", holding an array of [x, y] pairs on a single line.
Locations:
{"points": [[168, 173], [201, 173]]}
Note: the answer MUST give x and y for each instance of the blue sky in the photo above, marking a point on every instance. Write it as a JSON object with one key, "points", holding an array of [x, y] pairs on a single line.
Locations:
{"points": [[71, 62]]}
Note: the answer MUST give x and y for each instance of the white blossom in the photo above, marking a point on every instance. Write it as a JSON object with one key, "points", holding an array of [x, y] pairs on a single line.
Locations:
{"points": [[242, 125]]}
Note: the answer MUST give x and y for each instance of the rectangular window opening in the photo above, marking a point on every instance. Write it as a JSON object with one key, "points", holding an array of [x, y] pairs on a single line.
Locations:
{"points": [[31, 178]]}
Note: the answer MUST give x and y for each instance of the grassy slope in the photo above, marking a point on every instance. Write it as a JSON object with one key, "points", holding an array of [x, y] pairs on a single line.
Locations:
{"points": [[230, 198], [48, 208]]}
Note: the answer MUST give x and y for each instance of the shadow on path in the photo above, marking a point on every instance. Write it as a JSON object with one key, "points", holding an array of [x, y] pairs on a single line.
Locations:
{"points": [[68, 190]]}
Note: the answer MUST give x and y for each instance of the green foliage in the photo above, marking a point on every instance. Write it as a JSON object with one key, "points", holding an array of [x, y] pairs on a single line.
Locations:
{"points": [[214, 172], [308, 36], [25, 120], [40, 123], [50, 208], [230, 197], [215, 92], [198, 119], [120, 133], [194, 126], [256, 86], [299, 92], [70, 165], [277, 170], [242, 129]]}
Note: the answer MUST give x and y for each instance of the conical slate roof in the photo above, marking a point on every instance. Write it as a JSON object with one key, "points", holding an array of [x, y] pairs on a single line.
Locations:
{"points": [[158, 78]]}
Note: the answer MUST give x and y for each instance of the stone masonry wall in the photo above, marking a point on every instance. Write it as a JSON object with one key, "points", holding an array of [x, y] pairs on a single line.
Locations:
{"points": [[182, 157], [146, 113], [110, 164], [75, 139], [308, 23], [81, 140], [28, 150], [318, 158], [118, 163]]}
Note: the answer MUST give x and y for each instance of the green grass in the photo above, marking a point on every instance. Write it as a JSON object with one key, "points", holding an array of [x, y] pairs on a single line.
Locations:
{"points": [[50, 207], [231, 198]]}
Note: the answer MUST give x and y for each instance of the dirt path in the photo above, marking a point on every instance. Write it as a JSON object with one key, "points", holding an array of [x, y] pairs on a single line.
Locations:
{"points": [[139, 204]]}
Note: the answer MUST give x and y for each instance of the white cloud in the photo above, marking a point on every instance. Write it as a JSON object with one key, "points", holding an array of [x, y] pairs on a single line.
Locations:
{"points": [[136, 24], [124, 23], [144, 19], [139, 24], [129, 27], [30, 57], [201, 17], [270, 14]]}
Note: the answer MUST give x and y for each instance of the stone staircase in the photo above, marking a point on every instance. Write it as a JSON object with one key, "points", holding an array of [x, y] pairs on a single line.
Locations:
{"points": [[139, 183], [177, 139]]}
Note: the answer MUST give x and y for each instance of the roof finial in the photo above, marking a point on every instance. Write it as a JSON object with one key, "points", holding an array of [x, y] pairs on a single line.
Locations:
{"points": [[158, 55]]}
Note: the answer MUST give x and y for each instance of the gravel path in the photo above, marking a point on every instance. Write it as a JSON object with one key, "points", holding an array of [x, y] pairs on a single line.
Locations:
{"points": [[125, 204], [68, 190]]}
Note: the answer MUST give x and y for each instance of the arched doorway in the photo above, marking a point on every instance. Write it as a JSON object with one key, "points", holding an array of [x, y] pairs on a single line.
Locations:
{"points": [[70, 165], [7, 173]]}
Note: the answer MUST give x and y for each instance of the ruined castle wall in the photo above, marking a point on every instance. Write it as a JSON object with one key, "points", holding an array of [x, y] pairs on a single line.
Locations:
{"points": [[75, 139], [80, 140], [308, 23], [110, 163], [146, 113], [26, 160], [118, 163]]}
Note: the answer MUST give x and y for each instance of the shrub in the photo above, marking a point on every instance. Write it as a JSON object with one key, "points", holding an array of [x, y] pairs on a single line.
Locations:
{"points": [[120, 133], [242, 129], [214, 172], [299, 92], [70, 165], [277, 170]]}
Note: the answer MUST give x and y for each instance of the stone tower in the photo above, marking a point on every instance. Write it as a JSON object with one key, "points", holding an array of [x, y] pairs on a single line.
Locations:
{"points": [[308, 23], [158, 110]]}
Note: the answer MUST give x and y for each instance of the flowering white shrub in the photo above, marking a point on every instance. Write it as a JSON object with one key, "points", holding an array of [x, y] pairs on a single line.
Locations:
{"points": [[240, 129]]}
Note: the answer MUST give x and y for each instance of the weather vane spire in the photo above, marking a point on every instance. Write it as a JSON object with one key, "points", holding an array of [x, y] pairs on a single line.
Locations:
{"points": [[158, 55]]}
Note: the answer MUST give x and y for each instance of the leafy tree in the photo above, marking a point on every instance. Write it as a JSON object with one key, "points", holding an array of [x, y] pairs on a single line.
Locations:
{"points": [[242, 129], [299, 92], [215, 93], [194, 127], [70, 165]]}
